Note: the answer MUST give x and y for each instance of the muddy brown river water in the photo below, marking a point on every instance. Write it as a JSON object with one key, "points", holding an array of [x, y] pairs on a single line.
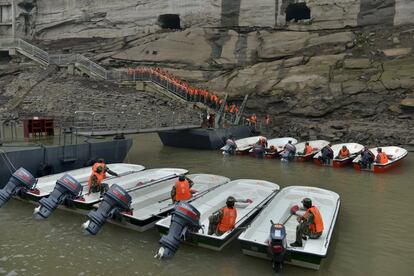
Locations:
{"points": [[373, 235]]}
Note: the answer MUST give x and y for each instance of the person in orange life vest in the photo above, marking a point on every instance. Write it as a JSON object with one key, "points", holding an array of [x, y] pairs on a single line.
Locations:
{"points": [[308, 149], [382, 157], [182, 189], [310, 223], [252, 119], [224, 219], [95, 181], [343, 153]]}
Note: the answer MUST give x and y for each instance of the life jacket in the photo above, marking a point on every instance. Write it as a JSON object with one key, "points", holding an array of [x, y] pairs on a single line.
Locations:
{"points": [[317, 225], [344, 153], [253, 119], [99, 178], [182, 190], [382, 158], [308, 149], [96, 166], [229, 219]]}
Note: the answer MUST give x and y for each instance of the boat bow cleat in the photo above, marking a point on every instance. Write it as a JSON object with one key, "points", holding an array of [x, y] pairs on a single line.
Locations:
{"points": [[184, 220], [116, 200], [66, 189], [20, 181], [277, 245]]}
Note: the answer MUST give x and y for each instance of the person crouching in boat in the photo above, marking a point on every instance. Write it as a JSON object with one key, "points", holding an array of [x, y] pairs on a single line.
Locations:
{"points": [[289, 151], [182, 189], [95, 181], [224, 219], [367, 157], [343, 153], [382, 157], [310, 224], [326, 154], [230, 145]]}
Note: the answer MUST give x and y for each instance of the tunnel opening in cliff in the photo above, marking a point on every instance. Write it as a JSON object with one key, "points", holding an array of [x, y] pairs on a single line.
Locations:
{"points": [[169, 21], [4, 56], [297, 11]]}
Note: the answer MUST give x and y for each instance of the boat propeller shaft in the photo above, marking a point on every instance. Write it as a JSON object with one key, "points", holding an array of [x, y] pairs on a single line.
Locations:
{"points": [[20, 181]]}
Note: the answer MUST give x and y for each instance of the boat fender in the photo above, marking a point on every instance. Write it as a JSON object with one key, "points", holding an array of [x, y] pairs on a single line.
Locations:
{"points": [[115, 201], [67, 188], [20, 181], [184, 220]]}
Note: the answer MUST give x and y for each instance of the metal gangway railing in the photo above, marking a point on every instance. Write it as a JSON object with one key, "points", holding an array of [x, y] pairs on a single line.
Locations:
{"points": [[96, 123]]}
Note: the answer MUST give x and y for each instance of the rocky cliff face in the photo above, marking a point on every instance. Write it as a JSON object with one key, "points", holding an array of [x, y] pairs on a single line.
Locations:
{"points": [[338, 70]]}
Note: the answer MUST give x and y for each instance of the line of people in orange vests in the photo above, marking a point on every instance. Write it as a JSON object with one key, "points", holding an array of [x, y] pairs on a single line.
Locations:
{"points": [[183, 88]]}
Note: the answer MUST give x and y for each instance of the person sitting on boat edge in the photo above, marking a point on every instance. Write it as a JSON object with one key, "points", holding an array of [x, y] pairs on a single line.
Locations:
{"points": [[343, 153], [95, 181], [367, 157], [224, 219], [182, 189], [326, 154], [310, 224], [382, 157], [289, 151], [230, 145]]}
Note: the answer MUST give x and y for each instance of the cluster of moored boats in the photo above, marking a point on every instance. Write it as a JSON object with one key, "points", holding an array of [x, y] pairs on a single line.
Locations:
{"points": [[275, 149], [139, 199]]}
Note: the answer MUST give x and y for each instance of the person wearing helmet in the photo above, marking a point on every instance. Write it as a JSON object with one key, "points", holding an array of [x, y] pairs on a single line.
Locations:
{"points": [[99, 170], [182, 189], [224, 219], [310, 223]]}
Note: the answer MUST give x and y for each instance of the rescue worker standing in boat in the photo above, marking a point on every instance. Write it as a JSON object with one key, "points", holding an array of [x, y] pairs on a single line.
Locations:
{"points": [[182, 189], [367, 157], [310, 224], [95, 181]]}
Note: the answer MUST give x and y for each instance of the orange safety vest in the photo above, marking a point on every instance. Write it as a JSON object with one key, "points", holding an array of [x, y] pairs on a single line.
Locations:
{"points": [[182, 190], [308, 149], [229, 219], [383, 158], [95, 167], [317, 225], [99, 178], [253, 118], [344, 153]]}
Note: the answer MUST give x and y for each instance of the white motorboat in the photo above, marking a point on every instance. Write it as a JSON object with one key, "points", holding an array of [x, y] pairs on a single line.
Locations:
{"points": [[317, 145], [395, 156], [153, 202], [245, 144], [258, 191], [354, 150], [46, 184], [254, 240]]}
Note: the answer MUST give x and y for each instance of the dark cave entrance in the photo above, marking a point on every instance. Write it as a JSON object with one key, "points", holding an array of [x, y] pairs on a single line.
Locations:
{"points": [[4, 56], [298, 11], [169, 21]]}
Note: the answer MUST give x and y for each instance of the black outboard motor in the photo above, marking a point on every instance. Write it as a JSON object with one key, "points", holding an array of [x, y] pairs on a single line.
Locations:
{"points": [[184, 220], [116, 200], [277, 245], [67, 188], [20, 181]]}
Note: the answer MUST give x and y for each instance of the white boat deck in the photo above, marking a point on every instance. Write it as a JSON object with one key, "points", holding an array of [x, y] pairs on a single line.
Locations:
{"points": [[278, 211], [259, 191], [317, 145], [394, 154], [46, 184], [135, 181], [354, 149], [153, 200]]}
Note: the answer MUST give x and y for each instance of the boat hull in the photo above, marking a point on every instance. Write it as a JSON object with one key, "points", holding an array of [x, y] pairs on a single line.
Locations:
{"points": [[334, 163], [31, 158], [203, 138], [305, 158], [379, 168]]}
